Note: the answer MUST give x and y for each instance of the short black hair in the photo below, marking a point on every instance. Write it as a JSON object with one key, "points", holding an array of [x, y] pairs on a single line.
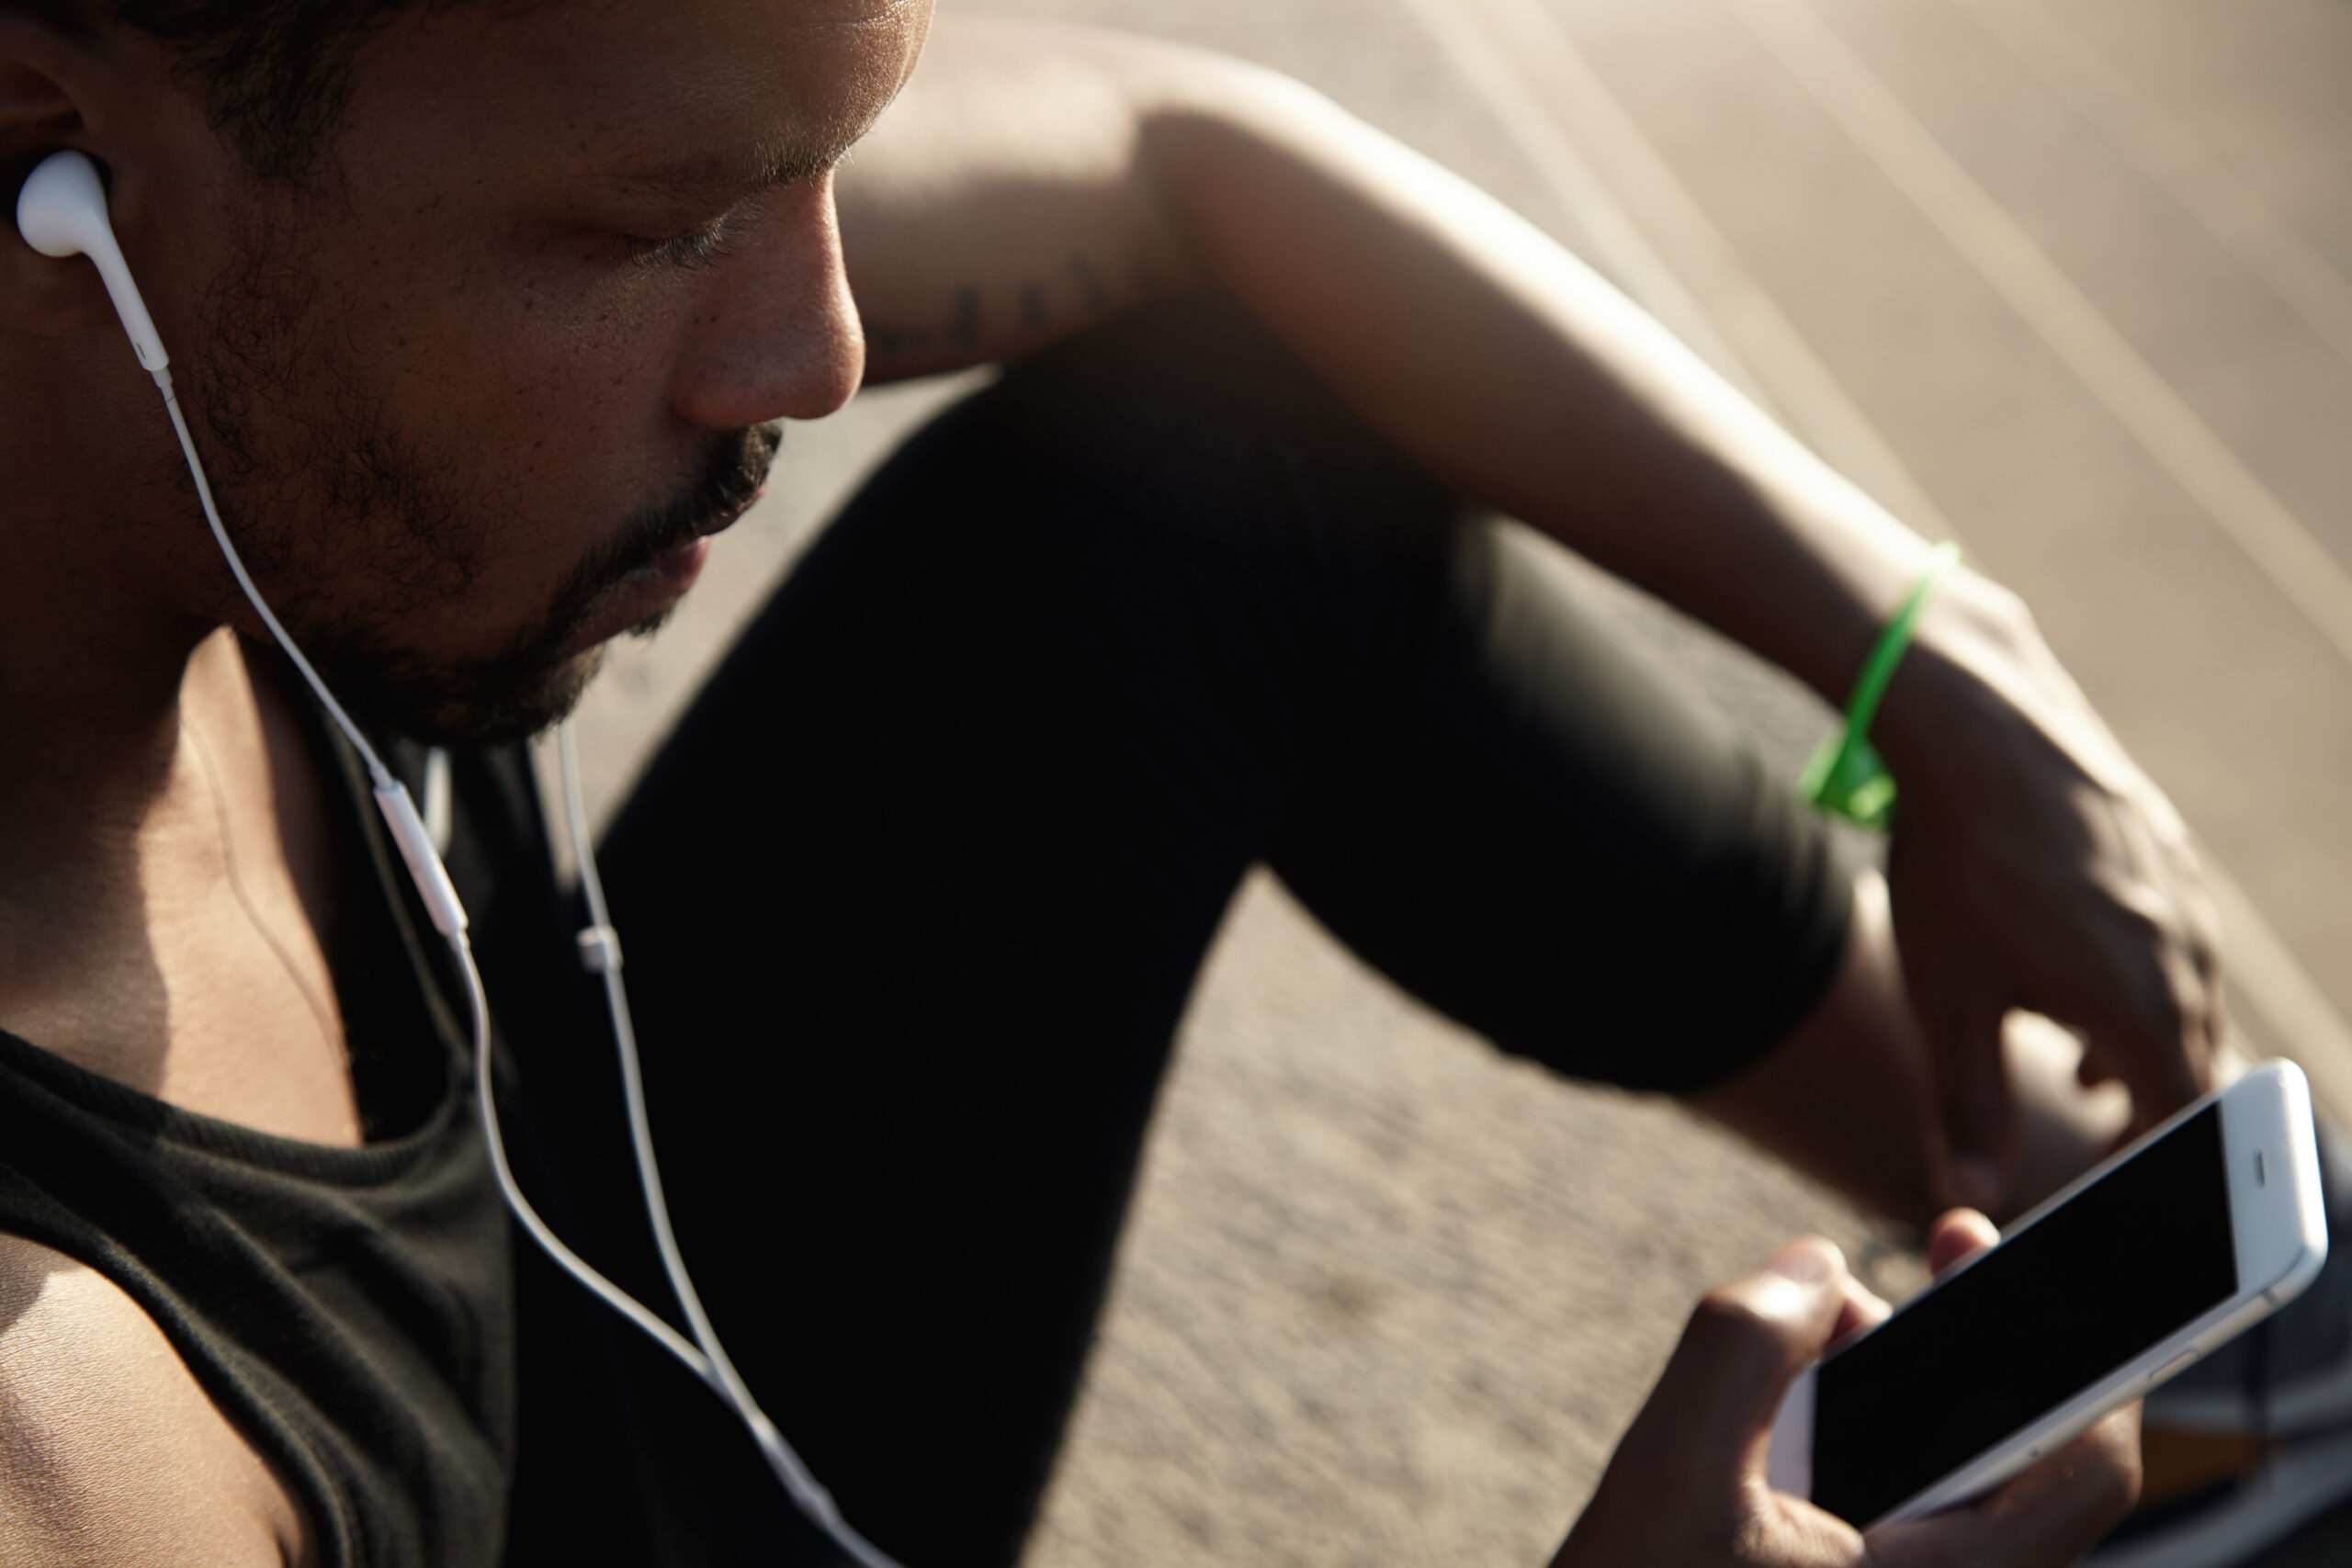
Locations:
{"points": [[276, 74]]}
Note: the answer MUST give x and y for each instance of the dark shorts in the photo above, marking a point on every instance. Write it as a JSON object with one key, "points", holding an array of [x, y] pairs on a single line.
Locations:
{"points": [[915, 896]]}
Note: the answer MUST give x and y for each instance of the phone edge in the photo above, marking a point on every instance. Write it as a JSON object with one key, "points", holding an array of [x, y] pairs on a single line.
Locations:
{"points": [[2148, 1370]]}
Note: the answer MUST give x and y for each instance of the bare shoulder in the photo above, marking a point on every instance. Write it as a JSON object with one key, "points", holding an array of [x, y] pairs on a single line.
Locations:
{"points": [[110, 1452]]}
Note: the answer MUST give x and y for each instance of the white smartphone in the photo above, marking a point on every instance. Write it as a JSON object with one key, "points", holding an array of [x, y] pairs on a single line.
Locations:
{"points": [[2170, 1249]]}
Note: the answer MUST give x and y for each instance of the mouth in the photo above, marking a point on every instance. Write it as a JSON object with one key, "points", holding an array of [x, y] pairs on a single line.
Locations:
{"points": [[649, 592], [655, 588]]}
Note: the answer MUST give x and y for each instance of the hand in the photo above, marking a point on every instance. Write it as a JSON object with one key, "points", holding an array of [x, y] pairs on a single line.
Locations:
{"points": [[2034, 866], [1685, 1488]]}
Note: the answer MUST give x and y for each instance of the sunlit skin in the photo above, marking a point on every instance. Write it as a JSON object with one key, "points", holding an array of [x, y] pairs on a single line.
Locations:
{"points": [[546, 278], [437, 385], [571, 289], [442, 392], [472, 390]]}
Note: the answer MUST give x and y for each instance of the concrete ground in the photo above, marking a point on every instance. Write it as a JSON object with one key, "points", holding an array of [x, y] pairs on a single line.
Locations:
{"points": [[2064, 278]]}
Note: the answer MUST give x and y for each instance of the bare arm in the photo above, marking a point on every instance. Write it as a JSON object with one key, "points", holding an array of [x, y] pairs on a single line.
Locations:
{"points": [[1002, 201], [110, 1453], [1033, 179]]}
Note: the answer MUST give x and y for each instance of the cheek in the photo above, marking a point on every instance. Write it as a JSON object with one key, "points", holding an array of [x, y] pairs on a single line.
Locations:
{"points": [[544, 405]]}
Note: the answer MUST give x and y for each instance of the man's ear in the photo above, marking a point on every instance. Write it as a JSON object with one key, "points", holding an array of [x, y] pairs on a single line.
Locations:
{"points": [[40, 70]]}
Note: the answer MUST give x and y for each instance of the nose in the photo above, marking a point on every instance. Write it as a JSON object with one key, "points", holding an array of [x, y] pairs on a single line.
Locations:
{"points": [[776, 334]]}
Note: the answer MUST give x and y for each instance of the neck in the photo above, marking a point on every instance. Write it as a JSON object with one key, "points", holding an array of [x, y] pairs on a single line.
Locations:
{"points": [[96, 648], [162, 833]]}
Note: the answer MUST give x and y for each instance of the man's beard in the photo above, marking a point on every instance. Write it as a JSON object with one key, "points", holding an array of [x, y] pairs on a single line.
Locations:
{"points": [[532, 682], [296, 434]]}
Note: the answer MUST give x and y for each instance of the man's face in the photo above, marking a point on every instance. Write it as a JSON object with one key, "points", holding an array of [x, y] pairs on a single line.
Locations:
{"points": [[472, 404]]}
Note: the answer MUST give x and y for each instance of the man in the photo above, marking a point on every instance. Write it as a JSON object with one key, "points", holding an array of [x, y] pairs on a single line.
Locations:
{"points": [[484, 314]]}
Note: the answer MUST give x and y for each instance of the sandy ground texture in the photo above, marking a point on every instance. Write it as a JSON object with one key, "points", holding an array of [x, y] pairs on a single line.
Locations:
{"points": [[2062, 277]]}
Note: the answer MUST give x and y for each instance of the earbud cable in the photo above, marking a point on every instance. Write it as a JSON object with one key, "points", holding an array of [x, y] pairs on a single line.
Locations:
{"points": [[600, 951], [376, 770]]}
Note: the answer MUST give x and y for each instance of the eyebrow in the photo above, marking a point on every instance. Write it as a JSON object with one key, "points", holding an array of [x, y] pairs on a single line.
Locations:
{"points": [[720, 175]]}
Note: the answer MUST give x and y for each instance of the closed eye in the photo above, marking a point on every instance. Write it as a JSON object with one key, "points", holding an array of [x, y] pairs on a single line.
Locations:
{"points": [[701, 248]]}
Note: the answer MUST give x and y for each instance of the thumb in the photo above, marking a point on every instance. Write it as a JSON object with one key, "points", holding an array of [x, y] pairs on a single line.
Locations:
{"points": [[1745, 1344]]}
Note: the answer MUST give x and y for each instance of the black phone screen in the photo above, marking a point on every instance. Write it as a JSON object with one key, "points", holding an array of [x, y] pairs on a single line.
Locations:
{"points": [[2140, 1254]]}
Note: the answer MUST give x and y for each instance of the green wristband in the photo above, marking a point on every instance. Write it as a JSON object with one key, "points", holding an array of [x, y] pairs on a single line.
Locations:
{"points": [[1845, 777]]}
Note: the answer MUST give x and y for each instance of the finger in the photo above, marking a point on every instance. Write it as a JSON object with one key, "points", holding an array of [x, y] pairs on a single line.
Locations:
{"points": [[2078, 1494], [2203, 954], [2188, 959], [2050, 1513], [2155, 1029], [1746, 1342], [2157, 1053], [1862, 1309], [1958, 1235], [1973, 1098]]}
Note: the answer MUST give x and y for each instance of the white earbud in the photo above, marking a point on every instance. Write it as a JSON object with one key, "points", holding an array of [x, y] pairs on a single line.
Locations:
{"points": [[62, 212]]}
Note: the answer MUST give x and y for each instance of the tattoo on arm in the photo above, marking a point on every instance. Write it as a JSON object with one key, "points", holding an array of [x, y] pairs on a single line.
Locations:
{"points": [[1019, 317]]}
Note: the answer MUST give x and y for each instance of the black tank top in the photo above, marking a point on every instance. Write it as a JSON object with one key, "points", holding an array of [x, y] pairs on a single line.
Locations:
{"points": [[355, 1310], [351, 1309]]}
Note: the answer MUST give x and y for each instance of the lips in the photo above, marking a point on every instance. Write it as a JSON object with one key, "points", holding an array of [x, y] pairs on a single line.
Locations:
{"points": [[644, 593], [650, 590]]}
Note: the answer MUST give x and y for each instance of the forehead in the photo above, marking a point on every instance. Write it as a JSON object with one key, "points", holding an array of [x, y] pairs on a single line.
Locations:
{"points": [[675, 92]]}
